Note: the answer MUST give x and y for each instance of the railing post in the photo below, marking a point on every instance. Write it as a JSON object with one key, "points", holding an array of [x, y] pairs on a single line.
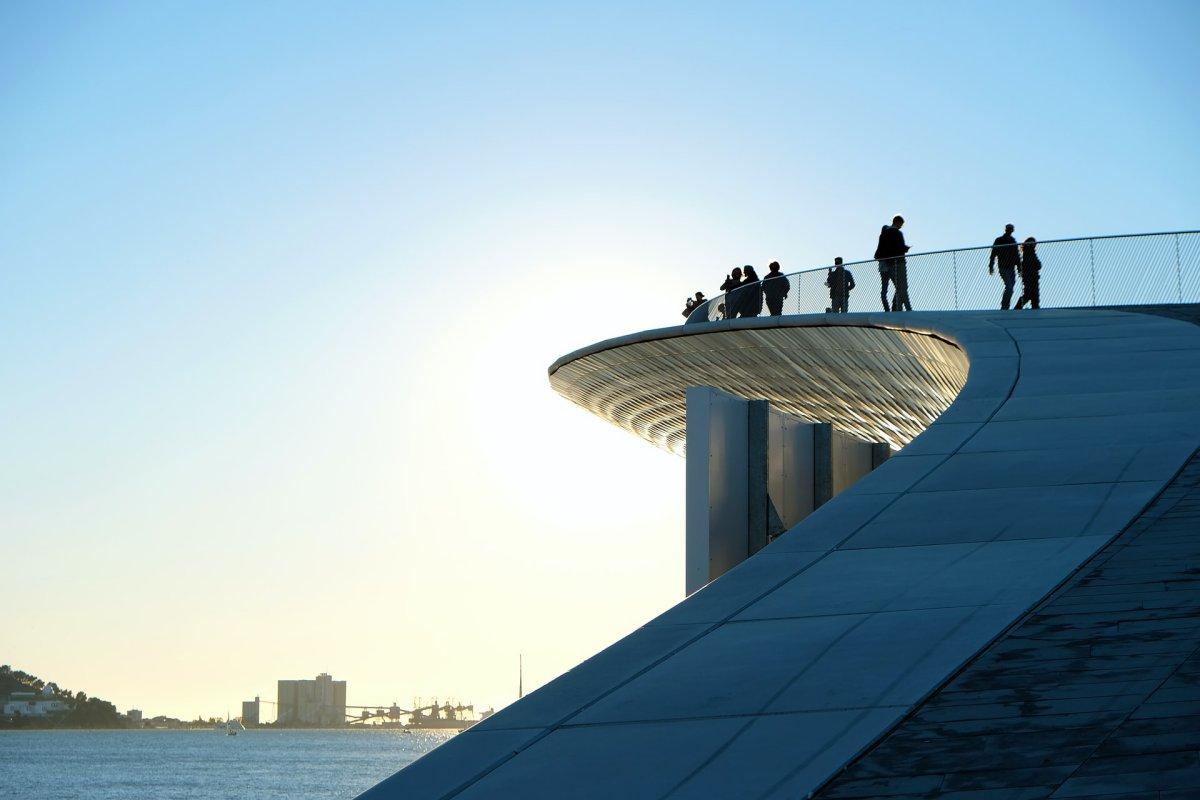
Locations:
{"points": [[1092, 261], [1178, 271], [954, 261]]}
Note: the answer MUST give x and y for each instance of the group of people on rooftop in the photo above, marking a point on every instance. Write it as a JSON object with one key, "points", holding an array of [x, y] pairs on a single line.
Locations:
{"points": [[745, 291]]}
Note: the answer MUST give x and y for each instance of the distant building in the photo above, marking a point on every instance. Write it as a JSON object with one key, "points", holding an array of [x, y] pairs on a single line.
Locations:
{"points": [[250, 711], [320, 702], [135, 716], [165, 722], [34, 704]]}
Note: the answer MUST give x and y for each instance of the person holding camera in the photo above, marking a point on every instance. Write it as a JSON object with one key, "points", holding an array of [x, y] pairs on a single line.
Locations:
{"points": [[699, 312]]}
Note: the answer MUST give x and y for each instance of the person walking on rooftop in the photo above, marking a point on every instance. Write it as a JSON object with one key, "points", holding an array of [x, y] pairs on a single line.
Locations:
{"points": [[893, 266], [751, 300], [1031, 269], [732, 281], [1004, 254], [840, 281], [775, 288]]}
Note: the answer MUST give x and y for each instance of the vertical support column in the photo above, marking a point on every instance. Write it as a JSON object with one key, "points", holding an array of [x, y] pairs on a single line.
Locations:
{"points": [[758, 499], [880, 452], [789, 468], [822, 464], [850, 459], [753, 473], [717, 514]]}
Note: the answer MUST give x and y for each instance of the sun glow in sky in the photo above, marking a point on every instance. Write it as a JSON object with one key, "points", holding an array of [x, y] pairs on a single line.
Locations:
{"points": [[279, 284]]}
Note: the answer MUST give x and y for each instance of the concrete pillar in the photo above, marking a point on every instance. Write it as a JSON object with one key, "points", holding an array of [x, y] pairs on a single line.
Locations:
{"points": [[789, 471], [880, 452], [718, 529], [758, 500], [849, 459], [753, 473], [822, 465]]}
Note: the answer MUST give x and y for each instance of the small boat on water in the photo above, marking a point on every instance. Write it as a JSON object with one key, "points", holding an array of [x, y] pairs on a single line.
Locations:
{"points": [[230, 727]]}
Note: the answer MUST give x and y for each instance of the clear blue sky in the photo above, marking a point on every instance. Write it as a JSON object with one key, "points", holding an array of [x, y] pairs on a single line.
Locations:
{"points": [[280, 282]]}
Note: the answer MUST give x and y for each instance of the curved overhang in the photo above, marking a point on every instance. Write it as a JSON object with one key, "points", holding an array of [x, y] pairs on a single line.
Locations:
{"points": [[881, 379], [773, 677]]}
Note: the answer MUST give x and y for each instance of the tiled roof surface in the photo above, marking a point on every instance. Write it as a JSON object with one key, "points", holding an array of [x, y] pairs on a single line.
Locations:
{"points": [[1094, 694]]}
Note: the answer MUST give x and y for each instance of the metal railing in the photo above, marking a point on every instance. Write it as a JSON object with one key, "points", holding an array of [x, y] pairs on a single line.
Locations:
{"points": [[1130, 269]]}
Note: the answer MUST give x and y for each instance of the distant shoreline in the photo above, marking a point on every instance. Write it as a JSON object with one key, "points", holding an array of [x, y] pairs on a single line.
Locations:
{"points": [[264, 729]]}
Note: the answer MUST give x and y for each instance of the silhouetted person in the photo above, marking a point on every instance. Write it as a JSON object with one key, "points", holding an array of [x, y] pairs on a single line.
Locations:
{"points": [[840, 281], [750, 302], [1005, 255], [885, 271], [893, 266], [1031, 269], [699, 309], [732, 281], [775, 288], [689, 307]]}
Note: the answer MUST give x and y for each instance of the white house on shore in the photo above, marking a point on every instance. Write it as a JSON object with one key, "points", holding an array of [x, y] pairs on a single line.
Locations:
{"points": [[34, 703]]}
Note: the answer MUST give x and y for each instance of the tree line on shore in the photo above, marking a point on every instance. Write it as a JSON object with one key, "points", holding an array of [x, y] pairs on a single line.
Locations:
{"points": [[81, 711]]}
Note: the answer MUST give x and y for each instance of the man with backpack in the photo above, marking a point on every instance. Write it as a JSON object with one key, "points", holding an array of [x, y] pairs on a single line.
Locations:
{"points": [[840, 281], [775, 287]]}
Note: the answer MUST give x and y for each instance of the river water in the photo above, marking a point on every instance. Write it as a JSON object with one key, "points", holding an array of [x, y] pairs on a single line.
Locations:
{"points": [[264, 763]]}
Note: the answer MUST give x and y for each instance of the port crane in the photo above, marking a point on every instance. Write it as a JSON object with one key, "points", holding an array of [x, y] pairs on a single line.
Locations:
{"points": [[432, 715]]}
